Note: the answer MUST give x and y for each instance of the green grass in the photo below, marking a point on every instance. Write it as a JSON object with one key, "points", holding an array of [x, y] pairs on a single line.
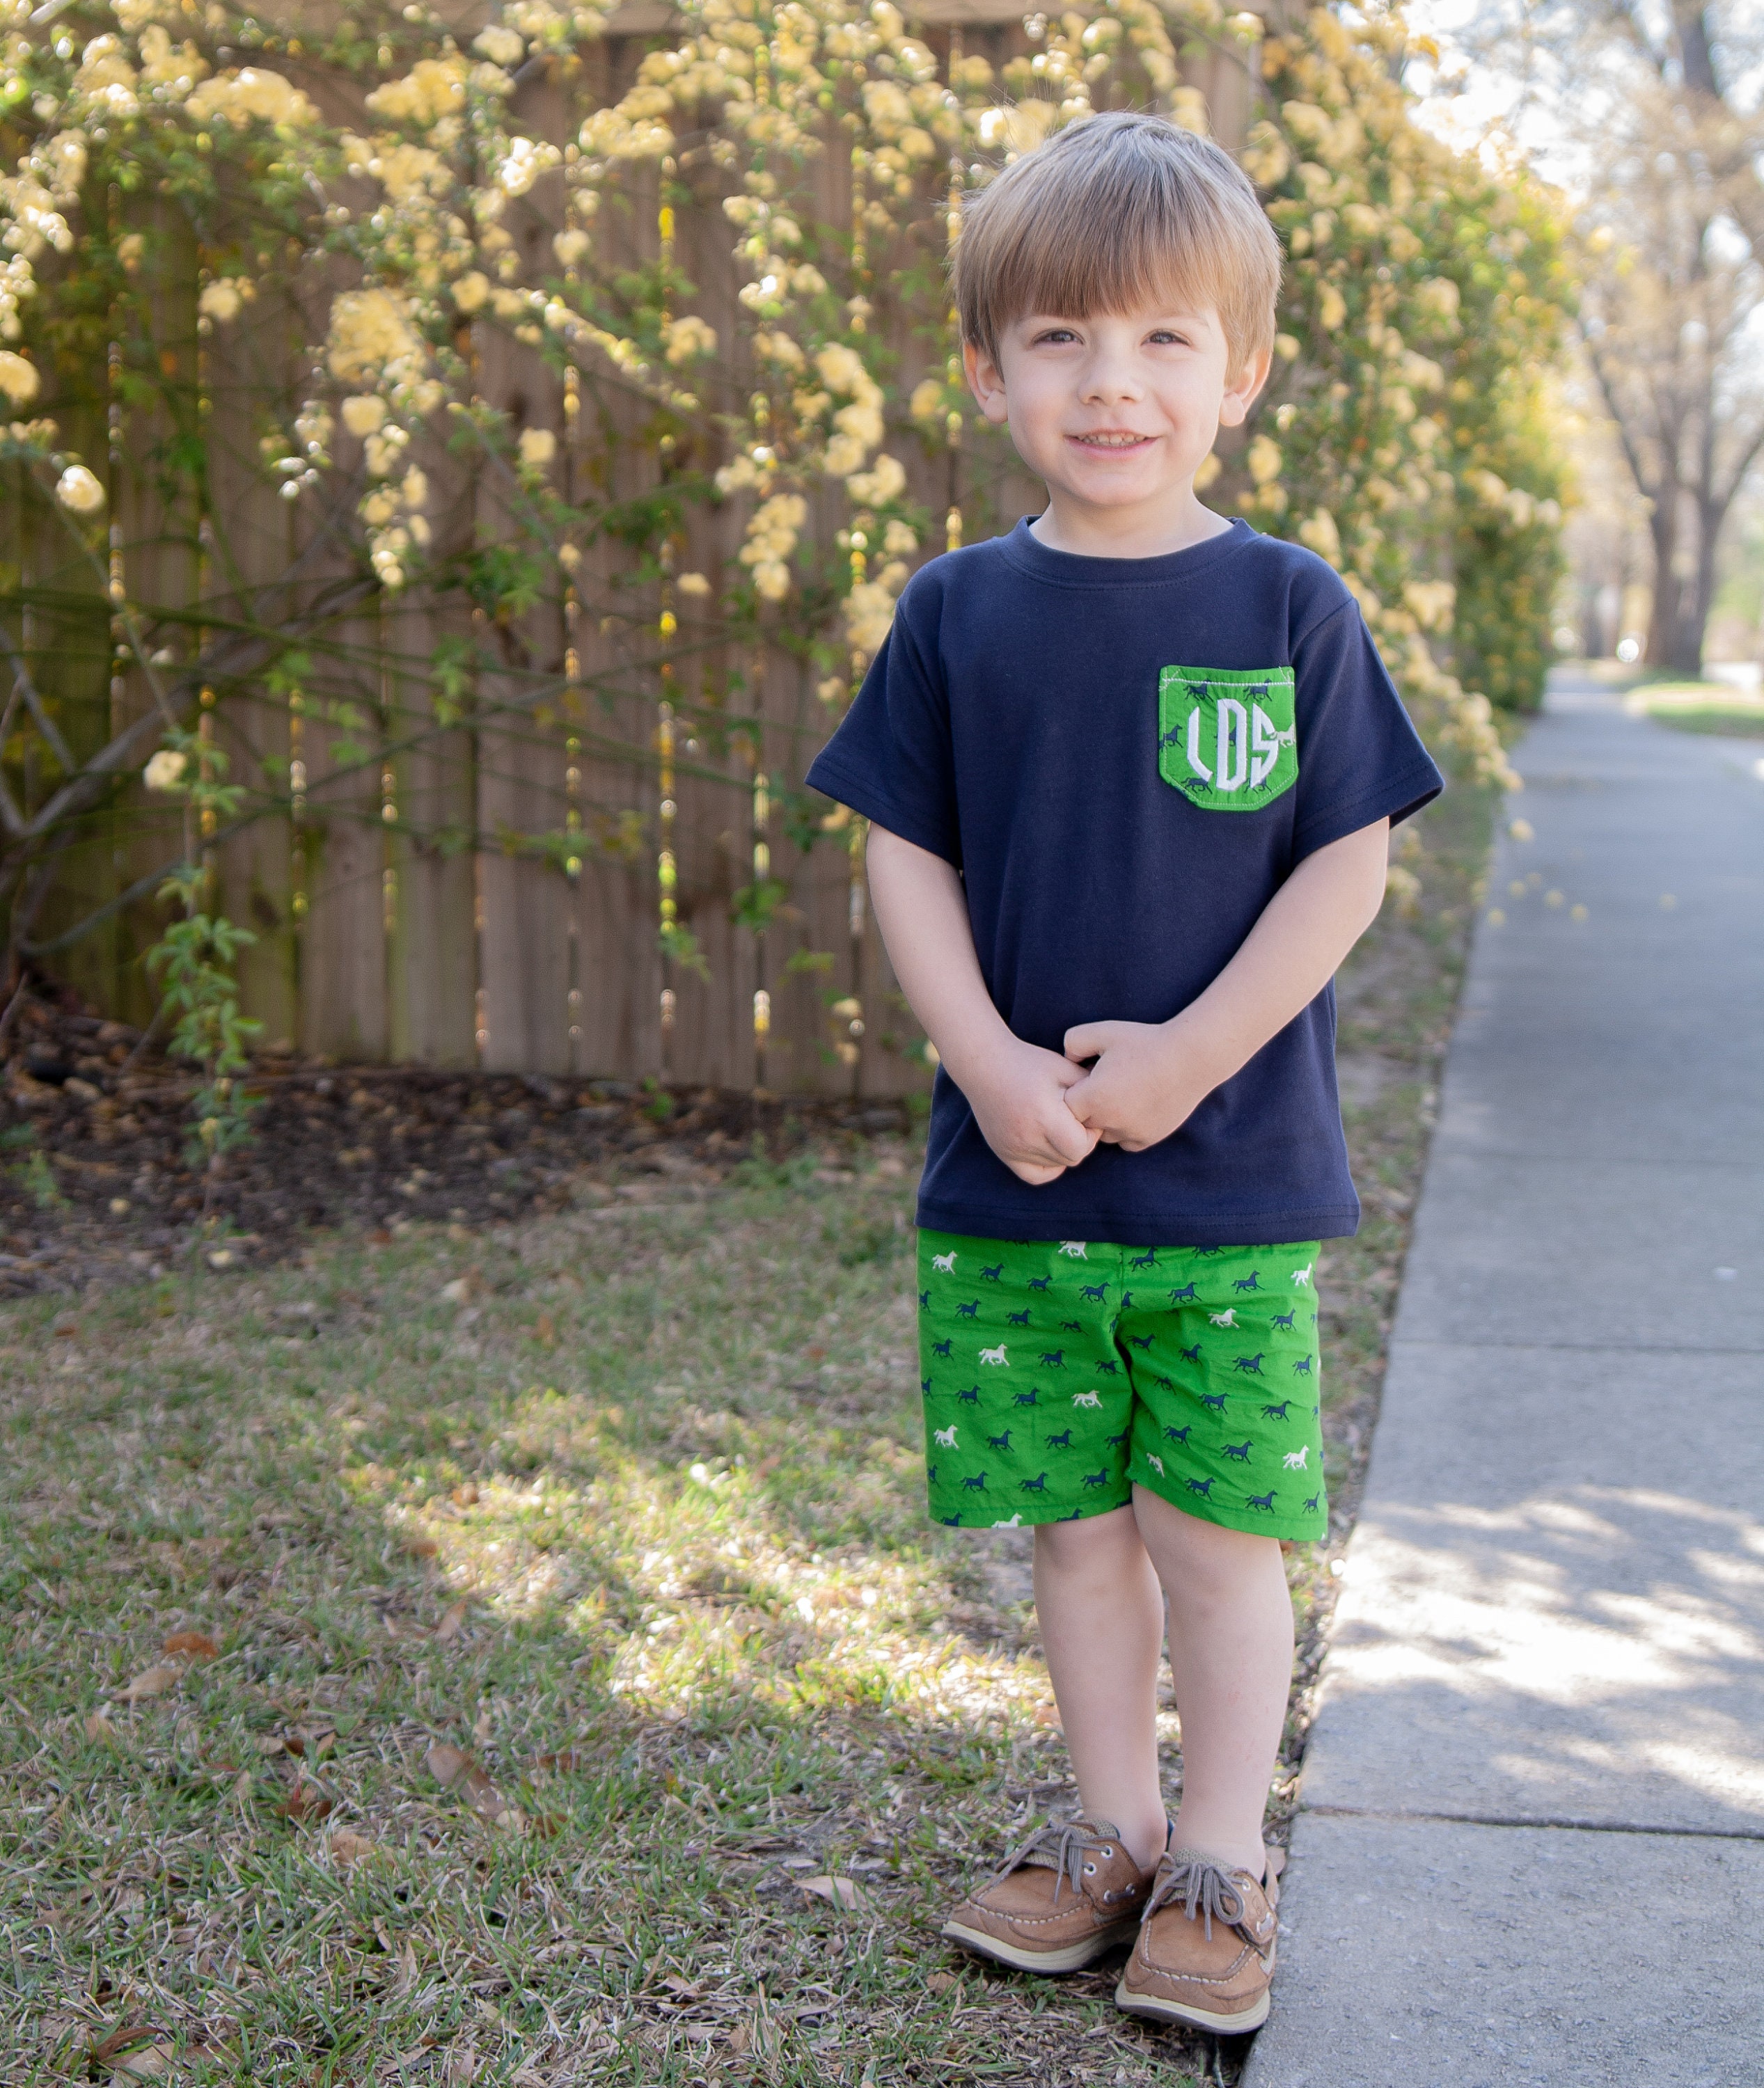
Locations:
{"points": [[1709, 707], [626, 1505]]}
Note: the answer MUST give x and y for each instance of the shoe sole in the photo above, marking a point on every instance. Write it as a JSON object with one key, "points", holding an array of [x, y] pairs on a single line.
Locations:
{"points": [[1074, 1958], [1173, 2011]]}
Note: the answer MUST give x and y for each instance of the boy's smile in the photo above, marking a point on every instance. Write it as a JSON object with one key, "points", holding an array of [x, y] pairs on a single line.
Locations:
{"points": [[1115, 412]]}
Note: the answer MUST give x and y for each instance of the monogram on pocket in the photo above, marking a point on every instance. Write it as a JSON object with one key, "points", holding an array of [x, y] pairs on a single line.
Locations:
{"points": [[1226, 737]]}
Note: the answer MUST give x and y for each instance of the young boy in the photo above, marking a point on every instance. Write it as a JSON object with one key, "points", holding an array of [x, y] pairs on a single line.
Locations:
{"points": [[1130, 772]]}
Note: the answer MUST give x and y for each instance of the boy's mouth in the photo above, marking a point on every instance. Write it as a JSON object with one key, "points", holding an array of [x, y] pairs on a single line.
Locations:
{"points": [[1113, 440]]}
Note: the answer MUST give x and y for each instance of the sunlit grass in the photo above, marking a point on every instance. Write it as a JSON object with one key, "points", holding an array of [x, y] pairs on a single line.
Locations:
{"points": [[1707, 707]]}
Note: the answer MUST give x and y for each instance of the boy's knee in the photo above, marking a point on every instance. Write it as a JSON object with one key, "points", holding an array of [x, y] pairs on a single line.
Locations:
{"points": [[1201, 1549], [1096, 1542]]}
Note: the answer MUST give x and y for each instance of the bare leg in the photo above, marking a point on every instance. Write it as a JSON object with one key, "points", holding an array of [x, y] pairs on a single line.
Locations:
{"points": [[1231, 1652], [1101, 1618]]}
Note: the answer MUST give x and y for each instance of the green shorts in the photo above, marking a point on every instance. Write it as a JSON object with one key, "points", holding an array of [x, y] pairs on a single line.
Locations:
{"points": [[1058, 1375]]}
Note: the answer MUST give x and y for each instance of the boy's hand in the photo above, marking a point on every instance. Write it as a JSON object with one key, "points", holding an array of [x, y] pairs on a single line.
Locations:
{"points": [[1018, 1100], [1142, 1087]]}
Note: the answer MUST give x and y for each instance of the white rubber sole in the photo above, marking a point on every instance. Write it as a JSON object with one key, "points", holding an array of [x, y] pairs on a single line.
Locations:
{"points": [[1171, 2012], [1074, 1958]]}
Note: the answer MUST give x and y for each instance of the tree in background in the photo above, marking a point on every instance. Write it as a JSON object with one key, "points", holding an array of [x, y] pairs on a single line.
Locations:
{"points": [[1655, 117]]}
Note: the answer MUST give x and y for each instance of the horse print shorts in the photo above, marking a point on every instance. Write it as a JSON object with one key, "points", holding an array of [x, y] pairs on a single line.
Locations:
{"points": [[1058, 1375]]}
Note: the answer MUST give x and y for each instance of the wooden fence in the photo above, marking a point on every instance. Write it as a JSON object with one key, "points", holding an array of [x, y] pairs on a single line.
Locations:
{"points": [[402, 909]]}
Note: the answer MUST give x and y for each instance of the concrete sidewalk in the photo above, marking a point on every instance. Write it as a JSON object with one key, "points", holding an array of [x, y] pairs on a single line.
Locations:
{"points": [[1532, 1842]]}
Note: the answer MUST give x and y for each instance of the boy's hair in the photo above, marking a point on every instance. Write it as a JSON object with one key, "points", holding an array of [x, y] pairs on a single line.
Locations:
{"points": [[1109, 211]]}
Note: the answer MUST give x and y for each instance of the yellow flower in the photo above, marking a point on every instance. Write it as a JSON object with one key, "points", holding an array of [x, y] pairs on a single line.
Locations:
{"points": [[248, 96], [538, 446], [501, 45], [1263, 458], [369, 329], [79, 491], [1318, 532], [223, 298], [1331, 308], [18, 379], [693, 583], [884, 481], [686, 338], [363, 414], [470, 290], [166, 771]]}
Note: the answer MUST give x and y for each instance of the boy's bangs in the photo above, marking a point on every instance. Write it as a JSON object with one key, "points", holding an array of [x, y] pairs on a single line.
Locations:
{"points": [[1060, 274]]}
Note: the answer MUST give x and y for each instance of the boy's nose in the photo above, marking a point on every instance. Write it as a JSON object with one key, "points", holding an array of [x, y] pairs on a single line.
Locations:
{"points": [[1108, 379]]}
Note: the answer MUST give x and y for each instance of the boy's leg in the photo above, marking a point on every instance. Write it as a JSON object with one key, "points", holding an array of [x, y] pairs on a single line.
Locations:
{"points": [[1230, 1654], [1102, 1616]]}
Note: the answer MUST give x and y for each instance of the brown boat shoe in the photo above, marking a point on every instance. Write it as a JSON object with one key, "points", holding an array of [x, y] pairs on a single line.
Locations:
{"points": [[1206, 1952], [1071, 1892]]}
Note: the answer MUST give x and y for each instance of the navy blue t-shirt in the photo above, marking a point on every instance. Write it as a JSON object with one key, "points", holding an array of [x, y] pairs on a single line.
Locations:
{"points": [[1125, 758]]}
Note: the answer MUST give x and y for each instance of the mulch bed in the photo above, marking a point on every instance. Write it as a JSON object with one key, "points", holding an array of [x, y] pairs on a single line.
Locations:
{"points": [[97, 1171]]}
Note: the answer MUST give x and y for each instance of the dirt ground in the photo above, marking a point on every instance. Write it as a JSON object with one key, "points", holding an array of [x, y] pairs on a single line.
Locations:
{"points": [[96, 1173]]}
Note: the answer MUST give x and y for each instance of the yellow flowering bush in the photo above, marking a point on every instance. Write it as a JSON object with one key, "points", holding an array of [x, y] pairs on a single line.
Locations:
{"points": [[497, 287]]}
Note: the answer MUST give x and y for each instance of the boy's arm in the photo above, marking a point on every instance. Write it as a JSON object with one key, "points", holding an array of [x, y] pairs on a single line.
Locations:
{"points": [[1149, 1076], [1015, 1089]]}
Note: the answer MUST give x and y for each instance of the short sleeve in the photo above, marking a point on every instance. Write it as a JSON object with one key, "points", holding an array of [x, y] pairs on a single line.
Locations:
{"points": [[891, 759], [1361, 759]]}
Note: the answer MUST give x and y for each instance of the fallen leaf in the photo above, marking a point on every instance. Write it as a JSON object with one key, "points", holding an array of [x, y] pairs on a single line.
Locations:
{"points": [[461, 2068], [740, 2038], [109, 2051], [192, 1645], [147, 2062], [421, 1547], [544, 1331], [841, 1891], [460, 1290], [151, 1682], [940, 1982], [305, 1802], [564, 1763], [685, 1990], [99, 1727], [348, 1847], [465, 1496], [271, 1743], [450, 1625], [455, 1770]]}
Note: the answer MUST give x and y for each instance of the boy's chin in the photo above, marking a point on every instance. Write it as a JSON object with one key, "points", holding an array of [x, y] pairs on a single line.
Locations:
{"points": [[1111, 494]]}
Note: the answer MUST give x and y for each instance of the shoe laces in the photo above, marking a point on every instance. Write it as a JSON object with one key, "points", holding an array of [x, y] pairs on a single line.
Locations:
{"points": [[1062, 1848], [1204, 1885]]}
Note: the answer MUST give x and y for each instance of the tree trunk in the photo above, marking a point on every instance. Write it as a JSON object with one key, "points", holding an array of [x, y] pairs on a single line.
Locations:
{"points": [[1662, 620]]}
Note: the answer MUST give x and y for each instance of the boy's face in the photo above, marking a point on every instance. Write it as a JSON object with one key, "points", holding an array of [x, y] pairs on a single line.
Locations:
{"points": [[1117, 411]]}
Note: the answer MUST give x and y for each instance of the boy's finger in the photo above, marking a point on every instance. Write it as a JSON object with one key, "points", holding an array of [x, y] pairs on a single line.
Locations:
{"points": [[1087, 1040], [1071, 1139]]}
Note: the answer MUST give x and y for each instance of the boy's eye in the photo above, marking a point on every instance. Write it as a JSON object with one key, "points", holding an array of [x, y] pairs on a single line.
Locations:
{"points": [[1055, 336], [1163, 336]]}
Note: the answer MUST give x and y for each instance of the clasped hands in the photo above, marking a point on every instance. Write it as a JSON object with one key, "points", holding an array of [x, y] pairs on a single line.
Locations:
{"points": [[1125, 1084]]}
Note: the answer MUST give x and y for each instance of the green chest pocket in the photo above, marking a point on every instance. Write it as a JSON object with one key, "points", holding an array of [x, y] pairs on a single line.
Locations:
{"points": [[1226, 738]]}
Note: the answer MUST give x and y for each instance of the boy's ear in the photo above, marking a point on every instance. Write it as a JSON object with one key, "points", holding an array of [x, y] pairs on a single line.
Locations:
{"points": [[985, 382], [1242, 392]]}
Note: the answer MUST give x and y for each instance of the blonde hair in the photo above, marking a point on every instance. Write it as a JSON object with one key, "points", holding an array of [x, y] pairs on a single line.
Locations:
{"points": [[1112, 212]]}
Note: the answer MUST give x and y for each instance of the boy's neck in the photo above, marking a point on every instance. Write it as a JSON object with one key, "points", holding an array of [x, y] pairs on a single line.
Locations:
{"points": [[1088, 531]]}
